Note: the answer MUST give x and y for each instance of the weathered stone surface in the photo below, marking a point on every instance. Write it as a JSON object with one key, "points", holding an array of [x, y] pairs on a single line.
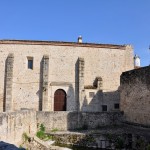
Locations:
{"points": [[45, 68], [106, 61], [104, 126], [8, 104], [77, 120], [122, 137], [14, 124], [81, 82], [135, 95]]}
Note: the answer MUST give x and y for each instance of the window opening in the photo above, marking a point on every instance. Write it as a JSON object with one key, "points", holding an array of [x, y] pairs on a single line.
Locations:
{"points": [[104, 107], [116, 106], [30, 62]]}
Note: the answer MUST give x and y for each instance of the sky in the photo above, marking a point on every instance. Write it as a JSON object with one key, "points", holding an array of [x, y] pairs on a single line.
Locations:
{"points": [[97, 21]]}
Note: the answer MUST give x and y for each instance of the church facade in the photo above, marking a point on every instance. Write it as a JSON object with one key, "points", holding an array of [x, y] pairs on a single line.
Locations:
{"points": [[61, 76]]}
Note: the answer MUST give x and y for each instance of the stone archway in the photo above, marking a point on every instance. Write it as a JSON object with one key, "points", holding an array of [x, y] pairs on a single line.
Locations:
{"points": [[60, 100]]}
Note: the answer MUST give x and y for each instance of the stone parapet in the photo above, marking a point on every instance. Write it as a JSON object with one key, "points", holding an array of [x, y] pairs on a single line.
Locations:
{"points": [[77, 120]]}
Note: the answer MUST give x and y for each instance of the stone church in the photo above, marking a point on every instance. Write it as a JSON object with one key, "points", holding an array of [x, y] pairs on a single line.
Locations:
{"points": [[61, 76]]}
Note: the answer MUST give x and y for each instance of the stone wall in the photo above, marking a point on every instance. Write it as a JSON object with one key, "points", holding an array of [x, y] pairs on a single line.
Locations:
{"points": [[33, 87], [135, 95], [14, 124], [127, 138], [77, 120]]}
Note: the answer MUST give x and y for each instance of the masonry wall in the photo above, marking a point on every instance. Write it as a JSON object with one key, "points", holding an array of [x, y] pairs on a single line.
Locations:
{"points": [[78, 120], [108, 63], [14, 124], [135, 95]]}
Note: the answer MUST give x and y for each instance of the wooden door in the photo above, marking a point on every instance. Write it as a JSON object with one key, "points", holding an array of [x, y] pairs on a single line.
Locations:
{"points": [[60, 100]]}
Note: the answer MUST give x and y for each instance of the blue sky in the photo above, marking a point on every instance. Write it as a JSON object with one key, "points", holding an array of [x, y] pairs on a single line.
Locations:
{"points": [[98, 21]]}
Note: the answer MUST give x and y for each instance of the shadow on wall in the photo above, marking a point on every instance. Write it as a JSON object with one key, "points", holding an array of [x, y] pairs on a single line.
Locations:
{"points": [[82, 122], [92, 120], [40, 85], [101, 101], [71, 103], [94, 114], [93, 102], [4, 96], [8, 146], [77, 85]]}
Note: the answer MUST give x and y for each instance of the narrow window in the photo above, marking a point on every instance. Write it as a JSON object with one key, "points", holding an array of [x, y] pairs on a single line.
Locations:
{"points": [[104, 107], [30, 62], [91, 94], [116, 106]]}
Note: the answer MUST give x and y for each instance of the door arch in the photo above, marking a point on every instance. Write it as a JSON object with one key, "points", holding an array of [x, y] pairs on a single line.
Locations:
{"points": [[60, 100]]}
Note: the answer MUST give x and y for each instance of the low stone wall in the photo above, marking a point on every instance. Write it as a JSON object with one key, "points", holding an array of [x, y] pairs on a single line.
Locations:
{"points": [[14, 124], [77, 120], [105, 138]]}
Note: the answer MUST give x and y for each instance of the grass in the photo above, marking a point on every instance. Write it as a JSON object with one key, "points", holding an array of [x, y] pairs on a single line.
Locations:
{"points": [[54, 130], [25, 137]]}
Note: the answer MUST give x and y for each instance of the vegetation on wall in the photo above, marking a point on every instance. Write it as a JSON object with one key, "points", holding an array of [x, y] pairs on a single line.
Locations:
{"points": [[41, 133]]}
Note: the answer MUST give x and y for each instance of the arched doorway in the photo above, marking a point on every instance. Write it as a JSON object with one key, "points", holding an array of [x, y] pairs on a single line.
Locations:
{"points": [[60, 100]]}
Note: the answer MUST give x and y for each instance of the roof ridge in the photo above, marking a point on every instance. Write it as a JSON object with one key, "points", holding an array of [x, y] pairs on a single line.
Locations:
{"points": [[62, 43]]}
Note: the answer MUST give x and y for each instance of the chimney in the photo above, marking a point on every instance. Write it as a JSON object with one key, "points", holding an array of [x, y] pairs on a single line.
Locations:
{"points": [[137, 61], [80, 39]]}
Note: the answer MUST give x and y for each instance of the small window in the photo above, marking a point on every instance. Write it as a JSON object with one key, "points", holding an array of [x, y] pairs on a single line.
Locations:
{"points": [[116, 106], [30, 62], [91, 94], [104, 107]]}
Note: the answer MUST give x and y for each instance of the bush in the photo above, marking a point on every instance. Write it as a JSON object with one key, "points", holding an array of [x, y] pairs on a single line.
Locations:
{"points": [[40, 134], [42, 128]]}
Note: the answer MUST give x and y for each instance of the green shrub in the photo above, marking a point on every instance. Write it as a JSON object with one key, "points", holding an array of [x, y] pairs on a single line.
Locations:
{"points": [[40, 134], [42, 128]]}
